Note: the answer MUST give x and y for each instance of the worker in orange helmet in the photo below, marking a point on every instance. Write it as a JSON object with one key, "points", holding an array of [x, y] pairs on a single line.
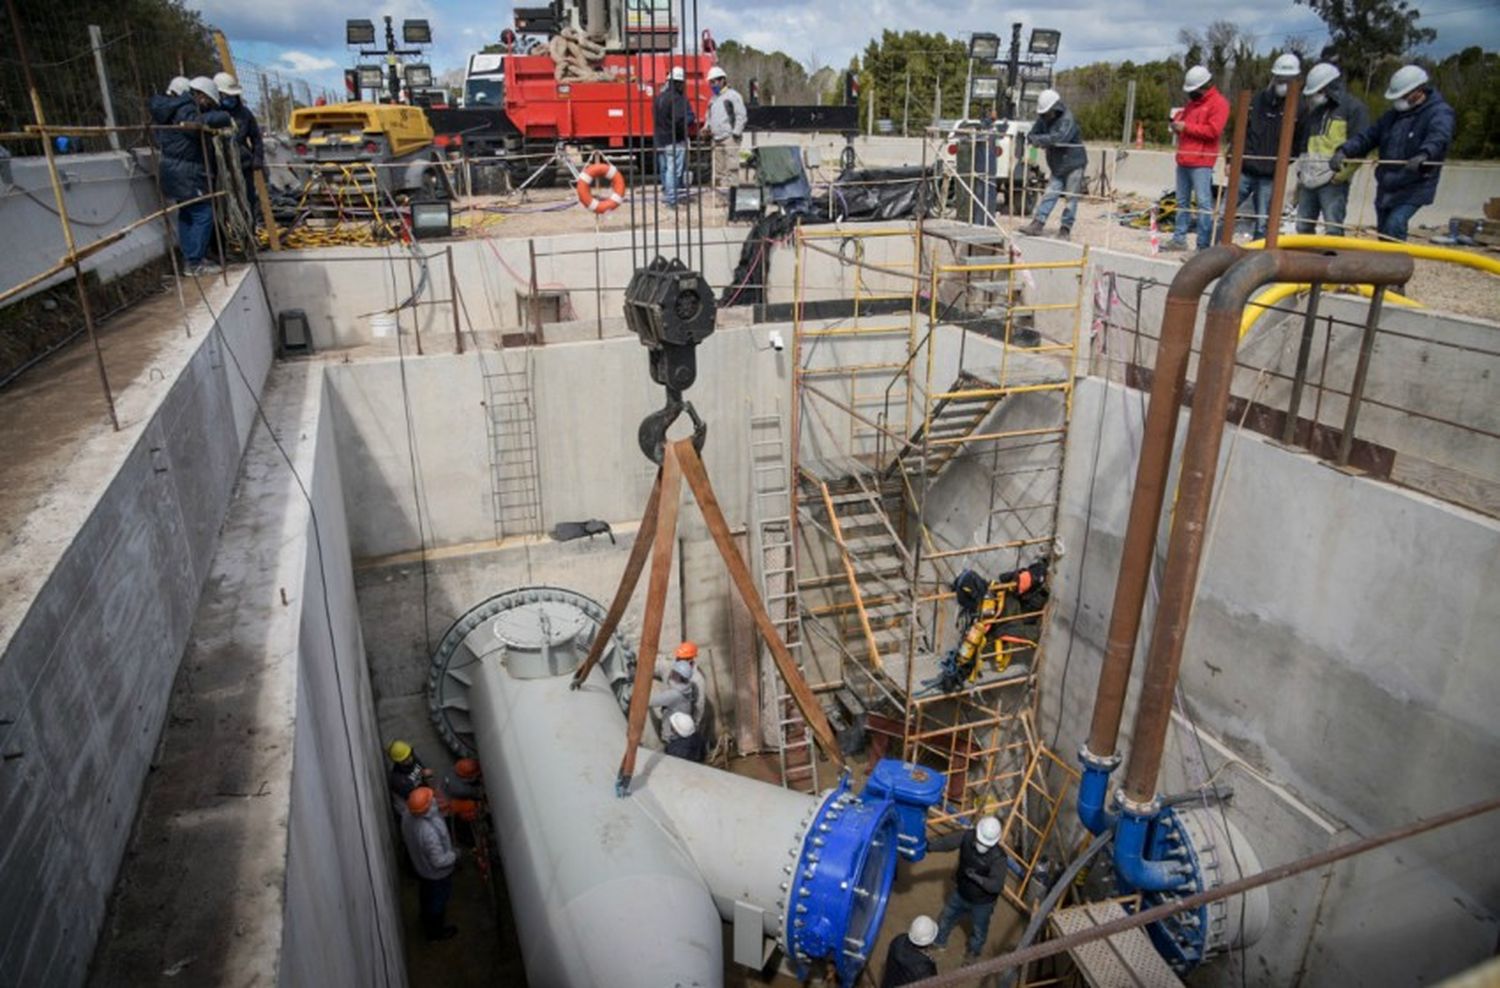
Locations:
{"points": [[425, 834], [465, 788], [680, 688]]}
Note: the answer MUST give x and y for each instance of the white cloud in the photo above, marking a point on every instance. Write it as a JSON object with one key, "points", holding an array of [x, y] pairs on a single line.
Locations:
{"points": [[301, 63]]}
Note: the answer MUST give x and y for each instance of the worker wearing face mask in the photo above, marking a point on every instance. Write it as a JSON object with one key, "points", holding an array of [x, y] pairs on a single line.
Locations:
{"points": [[1199, 128], [248, 143], [1262, 138], [1413, 138], [1330, 116]]}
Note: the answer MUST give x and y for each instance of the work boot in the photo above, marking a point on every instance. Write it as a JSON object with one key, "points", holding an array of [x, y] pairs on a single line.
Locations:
{"points": [[1032, 229], [1066, 233], [1174, 245]]}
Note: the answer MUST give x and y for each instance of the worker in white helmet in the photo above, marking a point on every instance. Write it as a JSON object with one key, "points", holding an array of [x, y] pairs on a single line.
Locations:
{"points": [[1199, 128], [672, 125], [1262, 141], [1330, 116], [249, 146], [684, 739], [183, 169], [726, 122], [179, 86], [1057, 132], [980, 880], [907, 959], [1413, 138]]}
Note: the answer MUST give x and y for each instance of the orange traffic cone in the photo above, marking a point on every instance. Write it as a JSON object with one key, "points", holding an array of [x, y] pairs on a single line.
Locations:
{"points": [[1140, 134]]}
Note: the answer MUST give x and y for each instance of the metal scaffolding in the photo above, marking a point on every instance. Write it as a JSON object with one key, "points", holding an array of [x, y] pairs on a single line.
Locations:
{"points": [[944, 374]]}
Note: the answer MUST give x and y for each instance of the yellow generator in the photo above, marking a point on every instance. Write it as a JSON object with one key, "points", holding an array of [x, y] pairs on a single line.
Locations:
{"points": [[368, 151]]}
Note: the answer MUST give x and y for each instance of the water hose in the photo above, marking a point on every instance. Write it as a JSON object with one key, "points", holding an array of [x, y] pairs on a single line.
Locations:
{"points": [[1426, 252], [1257, 306]]}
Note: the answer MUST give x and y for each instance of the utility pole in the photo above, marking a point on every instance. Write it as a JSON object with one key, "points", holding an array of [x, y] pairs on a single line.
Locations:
{"points": [[1129, 110], [906, 107], [96, 40], [968, 85]]}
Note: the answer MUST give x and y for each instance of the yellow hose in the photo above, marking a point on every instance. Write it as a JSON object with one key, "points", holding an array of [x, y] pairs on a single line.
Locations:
{"points": [[1426, 252], [1262, 302]]}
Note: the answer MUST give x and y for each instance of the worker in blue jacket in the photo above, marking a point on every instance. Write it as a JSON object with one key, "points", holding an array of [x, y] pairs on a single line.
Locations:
{"points": [[184, 172], [1412, 138]]}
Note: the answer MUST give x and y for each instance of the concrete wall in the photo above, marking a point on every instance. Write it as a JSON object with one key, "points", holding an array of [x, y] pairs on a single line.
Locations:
{"points": [[260, 853], [86, 673], [1336, 696], [103, 192]]}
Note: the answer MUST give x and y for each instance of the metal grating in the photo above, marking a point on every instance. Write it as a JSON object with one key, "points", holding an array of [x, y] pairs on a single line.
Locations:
{"points": [[1125, 960]]}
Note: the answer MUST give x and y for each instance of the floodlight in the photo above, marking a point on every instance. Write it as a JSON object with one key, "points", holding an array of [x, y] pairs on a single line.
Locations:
{"points": [[984, 46], [431, 219], [984, 88], [359, 32], [1044, 41], [418, 76], [371, 77], [417, 32]]}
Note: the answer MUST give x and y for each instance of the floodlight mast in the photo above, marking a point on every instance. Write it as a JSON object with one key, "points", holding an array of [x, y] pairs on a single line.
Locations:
{"points": [[355, 31]]}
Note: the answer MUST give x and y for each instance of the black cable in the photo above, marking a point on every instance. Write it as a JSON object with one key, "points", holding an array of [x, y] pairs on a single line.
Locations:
{"points": [[338, 678]]}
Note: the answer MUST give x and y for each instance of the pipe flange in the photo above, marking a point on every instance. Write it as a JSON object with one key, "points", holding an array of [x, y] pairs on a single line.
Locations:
{"points": [[1099, 763], [1145, 810]]}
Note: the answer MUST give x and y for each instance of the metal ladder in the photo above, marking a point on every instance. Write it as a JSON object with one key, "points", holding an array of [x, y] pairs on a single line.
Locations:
{"points": [[771, 495], [515, 474]]}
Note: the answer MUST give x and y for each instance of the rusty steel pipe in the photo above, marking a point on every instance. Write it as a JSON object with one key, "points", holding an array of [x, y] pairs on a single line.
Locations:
{"points": [[1236, 163], [1283, 161], [1200, 458], [1169, 378]]}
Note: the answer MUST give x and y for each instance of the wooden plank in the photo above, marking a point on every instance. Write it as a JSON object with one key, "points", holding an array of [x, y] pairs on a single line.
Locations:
{"points": [[745, 668], [626, 589], [656, 604], [744, 583]]}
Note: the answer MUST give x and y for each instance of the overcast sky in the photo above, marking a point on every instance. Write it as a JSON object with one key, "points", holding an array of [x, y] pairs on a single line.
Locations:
{"points": [[306, 39]]}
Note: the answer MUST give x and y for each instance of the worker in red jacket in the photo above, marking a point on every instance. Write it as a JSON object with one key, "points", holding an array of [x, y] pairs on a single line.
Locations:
{"points": [[1199, 127]]}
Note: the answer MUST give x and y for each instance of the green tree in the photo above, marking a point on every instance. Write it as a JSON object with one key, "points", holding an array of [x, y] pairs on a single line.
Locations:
{"points": [[1364, 32], [914, 62]]}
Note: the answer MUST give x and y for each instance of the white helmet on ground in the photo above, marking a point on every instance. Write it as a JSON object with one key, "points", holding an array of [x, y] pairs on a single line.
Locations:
{"points": [[987, 831], [717, 73], [1405, 79], [178, 86], [1046, 100], [1197, 78], [922, 931], [228, 84], [1287, 66], [681, 723], [677, 74], [1319, 76], [203, 84]]}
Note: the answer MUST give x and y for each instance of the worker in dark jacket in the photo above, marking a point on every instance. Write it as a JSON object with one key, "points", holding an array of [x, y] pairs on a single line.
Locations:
{"points": [[248, 143], [684, 740], [1057, 132], [980, 880], [1413, 138], [672, 123], [407, 773], [907, 961], [184, 172], [1330, 116], [1262, 141]]}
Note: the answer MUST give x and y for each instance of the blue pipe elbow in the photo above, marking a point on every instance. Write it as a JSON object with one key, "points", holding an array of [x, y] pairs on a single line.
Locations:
{"points": [[1093, 798], [1134, 870]]}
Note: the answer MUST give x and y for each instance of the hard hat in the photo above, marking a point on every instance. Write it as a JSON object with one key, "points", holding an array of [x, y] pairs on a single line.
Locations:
{"points": [[988, 831], [682, 669], [1287, 65], [228, 84], [466, 769], [1405, 79], [717, 73], [178, 86], [1319, 76], [1197, 78], [688, 651], [922, 931], [678, 75], [682, 723], [1045, 101], [420, 801], [205, 85], [399, 751]]}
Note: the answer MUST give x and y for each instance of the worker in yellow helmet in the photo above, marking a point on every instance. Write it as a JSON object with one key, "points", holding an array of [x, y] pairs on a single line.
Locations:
{"points": [[407, 773]]}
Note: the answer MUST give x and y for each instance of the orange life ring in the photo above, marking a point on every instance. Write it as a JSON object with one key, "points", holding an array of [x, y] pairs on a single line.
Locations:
{"points": [[612, 175]]}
